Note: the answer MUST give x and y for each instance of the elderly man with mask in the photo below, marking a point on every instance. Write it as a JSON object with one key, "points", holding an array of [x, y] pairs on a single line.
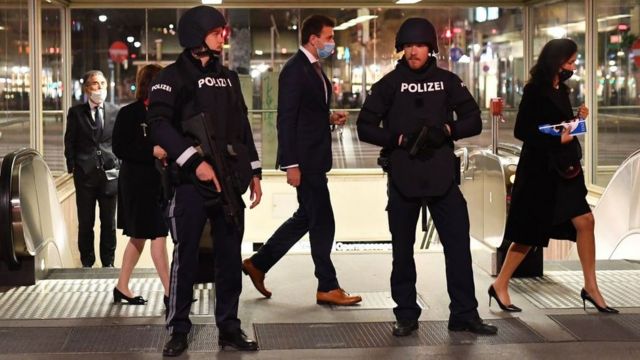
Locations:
{"points": [[87, 149]]}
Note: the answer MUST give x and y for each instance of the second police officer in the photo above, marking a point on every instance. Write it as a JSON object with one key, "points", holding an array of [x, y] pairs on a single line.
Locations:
{"points": [[198, 86], [415, 103]]}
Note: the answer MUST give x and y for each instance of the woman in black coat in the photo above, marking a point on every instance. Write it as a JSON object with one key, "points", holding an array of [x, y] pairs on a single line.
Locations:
{"points": [[139, 213], [548, 198]]}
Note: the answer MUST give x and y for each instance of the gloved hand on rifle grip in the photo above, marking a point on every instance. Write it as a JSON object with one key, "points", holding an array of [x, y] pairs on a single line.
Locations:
{"points": [[436, 136], [428, 137], [414, 142]]}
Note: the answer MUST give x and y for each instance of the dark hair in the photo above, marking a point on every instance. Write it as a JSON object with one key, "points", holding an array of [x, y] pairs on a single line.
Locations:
{"points": [[88, 75], [554, 53], [144, 78], [313, 26]]}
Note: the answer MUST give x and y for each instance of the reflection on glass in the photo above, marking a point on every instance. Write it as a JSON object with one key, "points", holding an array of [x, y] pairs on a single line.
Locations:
{"points": [[565, 19], [104, 46], [617, 73], [52, 89], [15, 77], [483, 47]]}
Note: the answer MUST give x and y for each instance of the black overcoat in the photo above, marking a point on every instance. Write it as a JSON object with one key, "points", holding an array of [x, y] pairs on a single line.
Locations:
{"points": [[542, 202], [139, 212]]}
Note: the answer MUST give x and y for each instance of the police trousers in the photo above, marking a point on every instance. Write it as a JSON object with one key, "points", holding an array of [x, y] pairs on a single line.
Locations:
{"points": [[187, 217], [451, 219]]}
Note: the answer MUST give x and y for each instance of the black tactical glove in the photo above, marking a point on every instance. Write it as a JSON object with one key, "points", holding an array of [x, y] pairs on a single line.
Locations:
{"points": [[428, 137], [436, 136]]}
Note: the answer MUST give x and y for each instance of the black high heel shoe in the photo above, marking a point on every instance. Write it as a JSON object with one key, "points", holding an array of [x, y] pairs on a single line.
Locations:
{"points": [[586, 297], [509, 308], [118, 296]]}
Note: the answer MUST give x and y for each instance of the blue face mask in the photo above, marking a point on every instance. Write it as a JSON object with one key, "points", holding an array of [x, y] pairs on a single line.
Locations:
{"points": [[326, 51]]}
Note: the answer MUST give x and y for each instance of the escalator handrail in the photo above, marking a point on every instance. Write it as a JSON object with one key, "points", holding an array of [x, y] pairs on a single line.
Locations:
{"points": [[629, 158], [512, 149], [7, 243], [606, 191]]}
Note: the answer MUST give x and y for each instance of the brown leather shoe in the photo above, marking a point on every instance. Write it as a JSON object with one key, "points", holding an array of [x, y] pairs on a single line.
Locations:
{"points": [[257, 277], [336, 297]]}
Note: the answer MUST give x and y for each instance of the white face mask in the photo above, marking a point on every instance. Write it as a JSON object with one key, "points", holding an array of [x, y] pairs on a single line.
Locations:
{"points": [[98, 96]]}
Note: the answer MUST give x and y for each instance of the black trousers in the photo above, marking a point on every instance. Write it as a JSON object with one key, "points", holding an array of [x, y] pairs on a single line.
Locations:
{"points": [[314, 215], [90, 188], [451, 219], [187, 217]]}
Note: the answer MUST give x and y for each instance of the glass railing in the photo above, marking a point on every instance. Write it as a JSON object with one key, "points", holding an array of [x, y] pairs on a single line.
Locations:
{"points": [[348, 151], [15, 133], [618, 134]]}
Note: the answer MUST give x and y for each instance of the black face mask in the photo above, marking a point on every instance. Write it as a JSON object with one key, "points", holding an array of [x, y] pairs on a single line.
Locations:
{"points": [[565, 74]]}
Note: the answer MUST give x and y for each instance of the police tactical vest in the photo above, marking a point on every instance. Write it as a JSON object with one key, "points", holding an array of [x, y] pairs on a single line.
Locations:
{"points": [[419, 99], [217, 92]]}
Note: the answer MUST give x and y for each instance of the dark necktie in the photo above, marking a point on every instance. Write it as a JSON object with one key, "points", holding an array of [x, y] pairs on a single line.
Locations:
{"points": [[98, 119], [318, 68]]}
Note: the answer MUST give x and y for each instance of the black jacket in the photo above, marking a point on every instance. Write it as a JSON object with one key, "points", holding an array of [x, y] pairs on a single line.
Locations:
{"points": [[186, 88], [405, 100], [304, 135], [84, 146]]}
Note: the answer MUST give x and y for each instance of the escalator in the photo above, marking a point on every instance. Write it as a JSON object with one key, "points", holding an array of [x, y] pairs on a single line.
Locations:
{"points": [[33, 236], [487, 177], [617, 214]]}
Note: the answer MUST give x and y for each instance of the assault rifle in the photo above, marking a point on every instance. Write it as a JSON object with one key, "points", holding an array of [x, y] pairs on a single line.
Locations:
{"points": [[201, 128]]}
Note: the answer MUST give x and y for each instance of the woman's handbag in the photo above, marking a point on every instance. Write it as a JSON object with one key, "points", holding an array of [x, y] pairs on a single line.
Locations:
{"points": [[565, 160]]}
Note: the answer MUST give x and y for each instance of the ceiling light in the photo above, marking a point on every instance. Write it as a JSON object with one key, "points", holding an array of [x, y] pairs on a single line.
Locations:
{"points": [[212, 2], [354, 21], [102, 18], [400, 2]]}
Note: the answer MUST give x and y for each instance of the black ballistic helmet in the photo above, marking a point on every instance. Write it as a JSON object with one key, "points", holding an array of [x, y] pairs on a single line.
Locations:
{"points": [[417, 31], [195, 24]]}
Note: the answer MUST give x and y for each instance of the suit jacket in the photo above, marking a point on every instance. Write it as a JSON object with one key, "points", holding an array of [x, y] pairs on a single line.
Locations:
{"points": [[304, 135], [84, 145]]}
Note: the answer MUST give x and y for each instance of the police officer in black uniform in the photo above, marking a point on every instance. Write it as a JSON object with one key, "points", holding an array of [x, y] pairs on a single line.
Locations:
{"points": [[415, 103], [197, 84]]}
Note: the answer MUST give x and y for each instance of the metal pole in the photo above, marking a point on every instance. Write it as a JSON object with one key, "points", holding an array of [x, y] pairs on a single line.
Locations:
{"points": [[275, 36], [591, 61], [35, 63], [528, 33], [364, 73], [67, 82], [495, 108]]}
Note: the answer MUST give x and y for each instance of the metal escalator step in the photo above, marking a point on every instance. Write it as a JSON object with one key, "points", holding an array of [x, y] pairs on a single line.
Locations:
{"points": [[91, 298], [100, 339], [97, 273], [561, 289], [378, 334], [601, 327]]}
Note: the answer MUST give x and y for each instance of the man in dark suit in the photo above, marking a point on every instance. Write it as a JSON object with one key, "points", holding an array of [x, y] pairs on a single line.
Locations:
{"points": [[87, 143], [304, 152]]}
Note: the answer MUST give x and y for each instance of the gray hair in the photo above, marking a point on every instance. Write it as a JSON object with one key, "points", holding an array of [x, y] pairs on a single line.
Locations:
{"points": [[88, 75]]}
